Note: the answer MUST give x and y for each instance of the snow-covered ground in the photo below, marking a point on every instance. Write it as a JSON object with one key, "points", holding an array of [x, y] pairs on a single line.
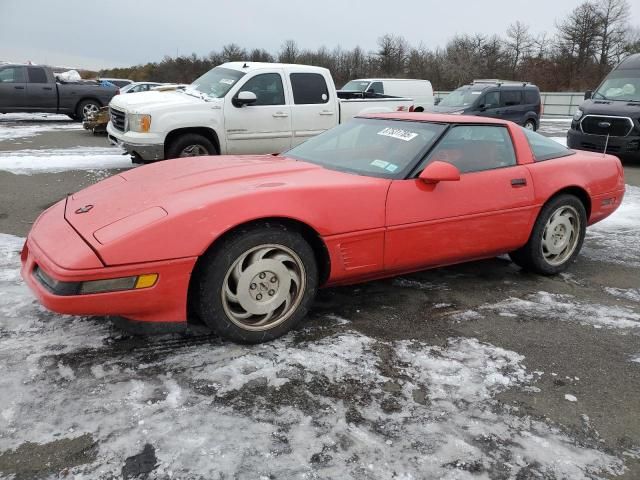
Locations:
{"points": [[15, 126], [293, 408]]}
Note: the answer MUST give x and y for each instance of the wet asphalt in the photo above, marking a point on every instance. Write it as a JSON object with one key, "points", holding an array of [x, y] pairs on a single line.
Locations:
{"points": [[607, 385]]}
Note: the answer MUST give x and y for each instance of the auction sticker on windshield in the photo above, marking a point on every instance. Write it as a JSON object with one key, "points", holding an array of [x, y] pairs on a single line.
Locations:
{"points": [[227, 81], [398, 133]]}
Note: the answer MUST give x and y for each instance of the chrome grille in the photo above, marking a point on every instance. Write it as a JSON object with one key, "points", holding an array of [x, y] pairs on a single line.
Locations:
{"points": [[604, 125], [117, 119]]}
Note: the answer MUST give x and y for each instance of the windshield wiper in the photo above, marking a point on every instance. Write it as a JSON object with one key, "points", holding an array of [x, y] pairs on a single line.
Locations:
{"points": [[601, 96]]}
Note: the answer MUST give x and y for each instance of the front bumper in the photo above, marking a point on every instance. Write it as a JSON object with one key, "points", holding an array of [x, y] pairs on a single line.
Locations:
{"points": [[628, 146], [139, 151], [166, 301]]}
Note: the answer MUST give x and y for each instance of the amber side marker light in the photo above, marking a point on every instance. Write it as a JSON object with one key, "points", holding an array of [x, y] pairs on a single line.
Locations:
{"points": [[119, 284]]}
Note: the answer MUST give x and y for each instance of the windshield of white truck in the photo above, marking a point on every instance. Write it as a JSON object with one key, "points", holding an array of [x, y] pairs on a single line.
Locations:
{"points": [[371, 147], [462, 97], [356, 86], [217, 82], [622, 85]]}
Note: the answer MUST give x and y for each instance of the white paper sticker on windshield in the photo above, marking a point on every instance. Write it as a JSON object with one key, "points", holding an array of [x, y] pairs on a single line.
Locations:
{"points": [[476, 93], [392, 167], [398, 133], [227, 81], [379, 163]]}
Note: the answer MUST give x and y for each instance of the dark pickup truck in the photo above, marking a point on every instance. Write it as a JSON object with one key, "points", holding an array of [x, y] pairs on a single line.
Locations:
{"points": [[29, 88]]}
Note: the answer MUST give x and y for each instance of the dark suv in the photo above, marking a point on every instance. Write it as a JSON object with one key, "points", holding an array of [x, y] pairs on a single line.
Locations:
{"points": [[515, 101], [610, 117]]}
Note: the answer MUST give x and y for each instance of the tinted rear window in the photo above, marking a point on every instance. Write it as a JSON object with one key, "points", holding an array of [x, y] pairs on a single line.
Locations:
{"points": [[531, 97], [309, 88], [511, 97], [37, 75], [544, 148]]}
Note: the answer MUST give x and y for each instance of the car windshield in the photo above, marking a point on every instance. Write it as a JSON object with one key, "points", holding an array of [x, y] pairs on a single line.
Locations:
{"points": [[462, 97], [371, 147], [216, 82], [622, 85], [356, 86]]}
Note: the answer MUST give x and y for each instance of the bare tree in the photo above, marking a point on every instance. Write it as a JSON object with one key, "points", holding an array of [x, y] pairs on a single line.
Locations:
{"points": [[519, 43], [289, 52], [233, 53], [614, 26]]}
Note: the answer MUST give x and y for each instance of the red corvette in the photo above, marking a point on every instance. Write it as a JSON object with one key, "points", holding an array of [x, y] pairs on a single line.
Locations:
{"points": [[244, 242]]}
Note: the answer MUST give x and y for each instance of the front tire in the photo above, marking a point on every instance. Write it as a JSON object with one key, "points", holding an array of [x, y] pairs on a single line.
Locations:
{"points": [[556, 238], [190, 145], [257, 284]]}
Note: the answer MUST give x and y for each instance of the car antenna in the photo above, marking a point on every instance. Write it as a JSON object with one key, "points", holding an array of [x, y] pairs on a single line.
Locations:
{"points": [[245, 65], [606, 143]]}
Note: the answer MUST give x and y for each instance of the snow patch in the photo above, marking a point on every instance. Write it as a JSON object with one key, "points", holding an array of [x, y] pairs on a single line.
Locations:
{"points": [[550, 306], [23, 125], [27, 162], [570, 398], [616, 238]]}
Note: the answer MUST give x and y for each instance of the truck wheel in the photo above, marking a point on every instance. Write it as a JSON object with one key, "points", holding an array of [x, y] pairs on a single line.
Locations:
{"points": [[530, 125], [85, 108], [556, 238], [258, 284], [191, 145]]}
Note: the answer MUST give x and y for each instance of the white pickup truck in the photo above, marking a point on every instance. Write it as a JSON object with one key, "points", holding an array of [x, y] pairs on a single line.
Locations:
{"points": [[236, 108]]}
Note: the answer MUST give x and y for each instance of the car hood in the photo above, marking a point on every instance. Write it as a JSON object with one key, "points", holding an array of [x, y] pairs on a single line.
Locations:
{"points": [[148, 102], [610, 107], [127, 217]]}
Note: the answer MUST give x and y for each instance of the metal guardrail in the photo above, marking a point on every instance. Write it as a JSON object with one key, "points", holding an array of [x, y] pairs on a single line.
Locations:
{"points": [[555, 104]]}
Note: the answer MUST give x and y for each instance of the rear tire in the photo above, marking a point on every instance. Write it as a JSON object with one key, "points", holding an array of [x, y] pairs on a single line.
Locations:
{"points": [[190, 145], [85, 108], [530, 125], [556, 238], [257, 284]]}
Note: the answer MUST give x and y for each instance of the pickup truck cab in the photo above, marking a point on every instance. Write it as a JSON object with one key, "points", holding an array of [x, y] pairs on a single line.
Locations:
{"points": [[236, 108], [32, 88]]}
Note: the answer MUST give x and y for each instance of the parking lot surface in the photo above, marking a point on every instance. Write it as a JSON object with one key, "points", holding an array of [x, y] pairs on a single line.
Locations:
{"points": [[473, 371]]}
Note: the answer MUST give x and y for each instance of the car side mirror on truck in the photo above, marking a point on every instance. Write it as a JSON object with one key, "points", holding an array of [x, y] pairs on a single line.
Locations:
{"points": [[588, 94], [244, 98], [438, 171]]}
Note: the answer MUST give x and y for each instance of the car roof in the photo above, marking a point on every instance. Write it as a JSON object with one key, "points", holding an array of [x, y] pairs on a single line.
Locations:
{"points": [[435, 118], [252, 66]]}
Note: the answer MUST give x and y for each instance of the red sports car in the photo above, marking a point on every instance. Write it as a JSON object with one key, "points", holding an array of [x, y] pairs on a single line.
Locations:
{"points": [[244, 242]]}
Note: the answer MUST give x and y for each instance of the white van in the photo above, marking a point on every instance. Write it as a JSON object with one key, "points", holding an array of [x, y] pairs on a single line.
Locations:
{"points": [[420, 90]]}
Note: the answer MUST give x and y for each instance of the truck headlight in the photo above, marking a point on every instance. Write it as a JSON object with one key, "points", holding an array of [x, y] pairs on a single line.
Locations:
{"points": [[138, 122], [578, 115]]}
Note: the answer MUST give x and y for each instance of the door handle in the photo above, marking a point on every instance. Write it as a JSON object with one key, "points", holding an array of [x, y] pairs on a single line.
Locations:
{"points": [[518, 182], [326, 112], [18, 87], [47, 88], [280, 115]]}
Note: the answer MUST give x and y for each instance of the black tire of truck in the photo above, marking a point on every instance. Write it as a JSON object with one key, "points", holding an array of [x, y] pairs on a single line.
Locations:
{"points": [[85, 107], [190, 145]]}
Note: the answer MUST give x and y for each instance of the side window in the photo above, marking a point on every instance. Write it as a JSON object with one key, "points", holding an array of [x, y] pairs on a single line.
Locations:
{"points": [[475, 148], [544, 148], [267, 87], [309, 88], [37, 75], [492, 100], [12, 75], [376, 87], [511, 98], [531, 96]]}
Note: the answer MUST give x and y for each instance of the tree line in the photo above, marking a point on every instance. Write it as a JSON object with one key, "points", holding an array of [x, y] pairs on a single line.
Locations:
{"points": [[584, 47]]}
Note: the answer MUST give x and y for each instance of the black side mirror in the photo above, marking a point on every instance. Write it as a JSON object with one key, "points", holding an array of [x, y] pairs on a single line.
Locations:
{"points": [[588, 94], [369, 94], [436, 101], [482, 107], [244, 98]]}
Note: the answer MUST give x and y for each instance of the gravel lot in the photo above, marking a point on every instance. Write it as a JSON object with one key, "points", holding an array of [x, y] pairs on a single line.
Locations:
{"points": [[473, 371]]}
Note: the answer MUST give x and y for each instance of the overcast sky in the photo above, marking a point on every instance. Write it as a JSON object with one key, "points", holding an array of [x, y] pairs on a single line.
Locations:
{"points": [[97, 34]]}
